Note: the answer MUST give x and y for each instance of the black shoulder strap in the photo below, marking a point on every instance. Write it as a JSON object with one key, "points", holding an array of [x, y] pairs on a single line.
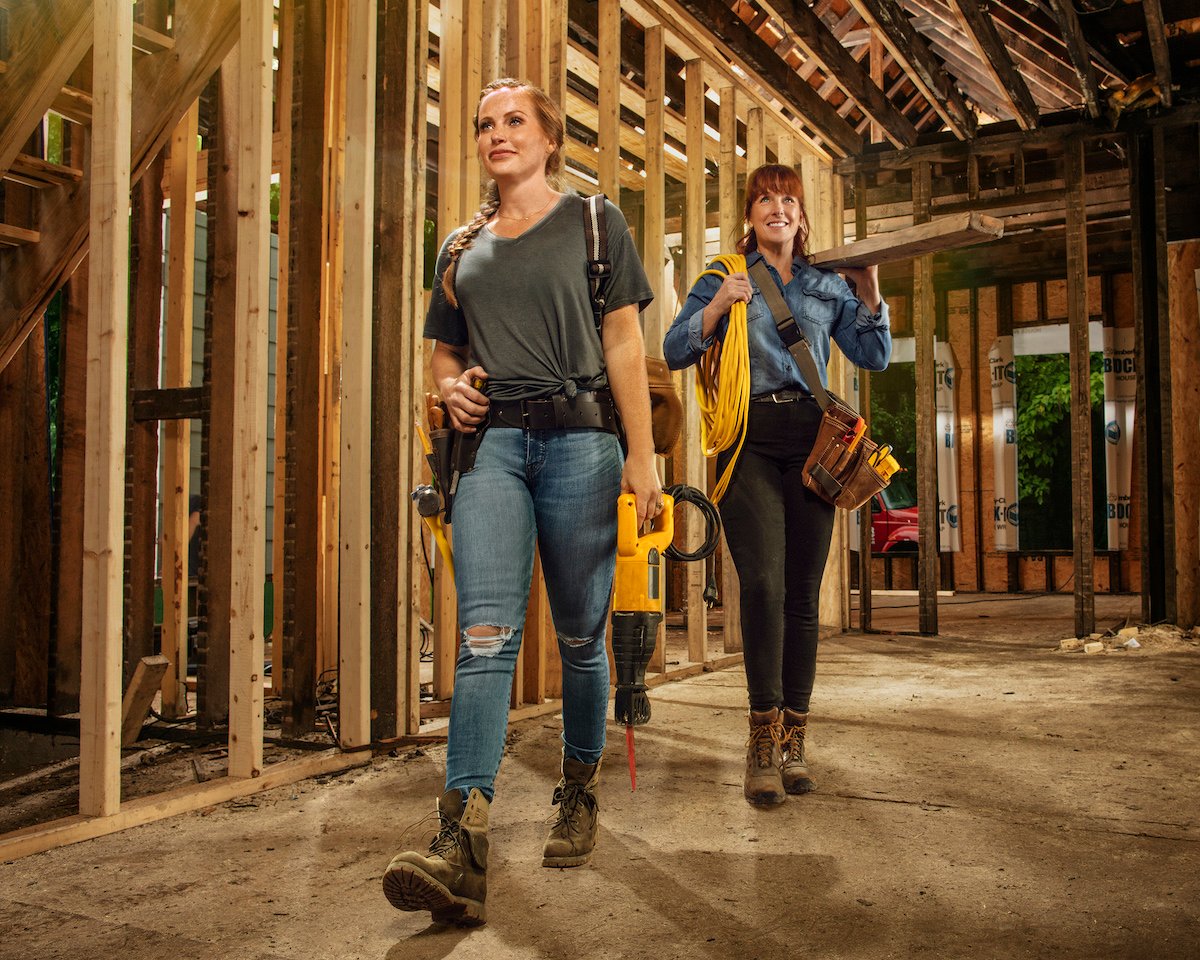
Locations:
{"points": [[792, 336], [599, 266]]}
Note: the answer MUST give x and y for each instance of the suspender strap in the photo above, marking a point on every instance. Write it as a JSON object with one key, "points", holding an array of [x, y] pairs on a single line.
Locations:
{"points": [[599, 266], [791, 335]]}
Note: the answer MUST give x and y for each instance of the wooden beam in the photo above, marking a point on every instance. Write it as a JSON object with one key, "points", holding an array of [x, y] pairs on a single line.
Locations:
{"points": [[1156, 34], [995, 56], [248, 573], [171, 803], [865, 514], [108, 312], [729, 207], [608, 101], [657, 315], [164, 88], [141, 438], [1081, 393], [756, 140], [923, 331], [910, 50], [38, 173], [695, 474], [139, 695], [12, 236], [956, 230], [354, 649], [177, 373], [822, 46], [1079, 52], [305, 302], [54, 37], [733, 39]]}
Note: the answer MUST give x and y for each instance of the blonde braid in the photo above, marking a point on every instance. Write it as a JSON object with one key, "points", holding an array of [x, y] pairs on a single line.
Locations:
{"points": [[466, 238]]}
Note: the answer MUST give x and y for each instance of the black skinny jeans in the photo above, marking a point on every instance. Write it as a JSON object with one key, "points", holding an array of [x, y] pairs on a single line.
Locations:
{"points": [[778, 534]]}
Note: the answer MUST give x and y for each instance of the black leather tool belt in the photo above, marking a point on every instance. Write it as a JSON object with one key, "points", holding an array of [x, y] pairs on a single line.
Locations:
{"points": [[587, 410], [782, 396]]}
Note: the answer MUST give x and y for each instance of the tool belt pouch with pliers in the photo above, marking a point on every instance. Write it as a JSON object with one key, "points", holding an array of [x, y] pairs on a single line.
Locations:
{"points": [[844, 465], [453, 456]]}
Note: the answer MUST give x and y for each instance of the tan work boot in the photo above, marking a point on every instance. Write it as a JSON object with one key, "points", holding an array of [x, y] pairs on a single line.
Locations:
{"points": [[573, 834], [451, 882], [795, 766], [764, 785]]}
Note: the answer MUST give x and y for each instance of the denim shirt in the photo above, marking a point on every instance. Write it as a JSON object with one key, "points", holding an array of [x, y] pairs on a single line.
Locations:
{"points": [[823, 306]]}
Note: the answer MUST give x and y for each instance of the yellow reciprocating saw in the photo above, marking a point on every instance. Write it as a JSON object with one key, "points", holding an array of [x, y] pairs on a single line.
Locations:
{"points": [[637, 610]]}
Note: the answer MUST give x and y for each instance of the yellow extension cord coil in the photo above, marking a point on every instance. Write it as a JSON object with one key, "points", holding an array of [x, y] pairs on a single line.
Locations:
{"points": [[723, 382]]}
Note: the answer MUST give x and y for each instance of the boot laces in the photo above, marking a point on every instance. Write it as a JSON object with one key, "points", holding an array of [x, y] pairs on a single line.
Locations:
{"points": [[449, 836], [793, 743], [763, 739], [569, 798]]}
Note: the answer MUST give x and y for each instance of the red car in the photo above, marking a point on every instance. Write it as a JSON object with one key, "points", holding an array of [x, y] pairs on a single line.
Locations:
{"points": [[894, 518]]}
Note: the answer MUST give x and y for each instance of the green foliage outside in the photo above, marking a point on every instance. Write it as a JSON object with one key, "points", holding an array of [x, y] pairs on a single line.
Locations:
{"points": [[1043, 420]]}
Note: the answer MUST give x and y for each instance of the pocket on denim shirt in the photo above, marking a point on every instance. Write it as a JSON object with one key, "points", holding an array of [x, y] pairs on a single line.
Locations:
{"points": [[821, 308]]}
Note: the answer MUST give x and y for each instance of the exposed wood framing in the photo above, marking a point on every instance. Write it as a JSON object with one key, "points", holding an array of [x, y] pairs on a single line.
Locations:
{"points": [[982, 30], [108, 313], [608, 104], [171, 803], [177, 372], [731, 37], [756, 141], [354, 616], [57, 35], [923, 332], [250, 390], [865, 537], [657, 315], [306, 271], [397, 569], [1079, 52], [910, 50], [1156, 34], [285, 78], [1154, 414], [164, 87], [827, 50], [139, 695], [1081, 393], [141, 487], [694, 473]]}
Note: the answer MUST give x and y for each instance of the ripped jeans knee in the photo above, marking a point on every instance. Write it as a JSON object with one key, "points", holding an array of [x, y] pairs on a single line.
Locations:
{"points": [[484, 640], [574, 641]]}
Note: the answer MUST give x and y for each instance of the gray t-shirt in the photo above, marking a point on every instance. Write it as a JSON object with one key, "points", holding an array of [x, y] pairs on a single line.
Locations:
{"points": [[524, 304]]}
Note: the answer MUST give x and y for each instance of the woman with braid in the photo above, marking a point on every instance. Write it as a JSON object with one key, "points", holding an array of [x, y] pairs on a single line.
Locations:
{"points": [[518, 355]]}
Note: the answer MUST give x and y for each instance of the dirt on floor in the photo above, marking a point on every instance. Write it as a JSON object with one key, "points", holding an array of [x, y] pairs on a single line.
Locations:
{"points": [[982, 793]]}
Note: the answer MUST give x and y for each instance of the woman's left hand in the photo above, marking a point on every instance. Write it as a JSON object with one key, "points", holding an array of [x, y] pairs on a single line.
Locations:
{"points": [[640, 477]]}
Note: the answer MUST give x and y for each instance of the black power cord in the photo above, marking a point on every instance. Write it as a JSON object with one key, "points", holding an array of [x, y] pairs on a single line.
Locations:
{"points": [[682, 493]]}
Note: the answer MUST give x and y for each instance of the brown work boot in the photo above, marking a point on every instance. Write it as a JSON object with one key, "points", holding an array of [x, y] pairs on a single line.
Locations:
{"points": [[764, 785], [451, 882], [573, 834], [795, 766]]}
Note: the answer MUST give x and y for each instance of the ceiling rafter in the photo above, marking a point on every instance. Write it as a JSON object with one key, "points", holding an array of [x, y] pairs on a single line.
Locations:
{"points": [[999, 63], [821, 45], [1079, 52], [910, 50], [1157, 35]]}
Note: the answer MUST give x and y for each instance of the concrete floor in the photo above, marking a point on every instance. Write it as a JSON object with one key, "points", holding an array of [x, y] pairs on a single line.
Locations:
{"points": [[980, 795]]}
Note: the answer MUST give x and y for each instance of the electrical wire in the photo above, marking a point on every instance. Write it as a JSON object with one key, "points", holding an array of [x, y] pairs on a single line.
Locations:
{"points": [[682, 493], [723, 382]]}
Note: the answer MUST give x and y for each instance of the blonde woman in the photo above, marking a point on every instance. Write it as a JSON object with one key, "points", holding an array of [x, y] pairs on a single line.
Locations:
{"points": [[518, 355]]}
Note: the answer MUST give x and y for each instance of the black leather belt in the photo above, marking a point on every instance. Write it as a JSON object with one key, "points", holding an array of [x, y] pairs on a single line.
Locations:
{"points": [[588, 409], [782, 396]]}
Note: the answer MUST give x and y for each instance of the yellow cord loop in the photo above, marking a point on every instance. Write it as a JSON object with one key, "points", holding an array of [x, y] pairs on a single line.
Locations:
{"points": [[723, 382]]}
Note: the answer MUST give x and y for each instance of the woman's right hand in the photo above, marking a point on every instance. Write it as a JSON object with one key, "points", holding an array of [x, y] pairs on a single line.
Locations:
{"points": [[735, 287], [466, 404]]}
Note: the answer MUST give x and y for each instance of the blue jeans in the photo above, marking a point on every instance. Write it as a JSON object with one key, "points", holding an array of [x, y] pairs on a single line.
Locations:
{"points": [[560, 488]]}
